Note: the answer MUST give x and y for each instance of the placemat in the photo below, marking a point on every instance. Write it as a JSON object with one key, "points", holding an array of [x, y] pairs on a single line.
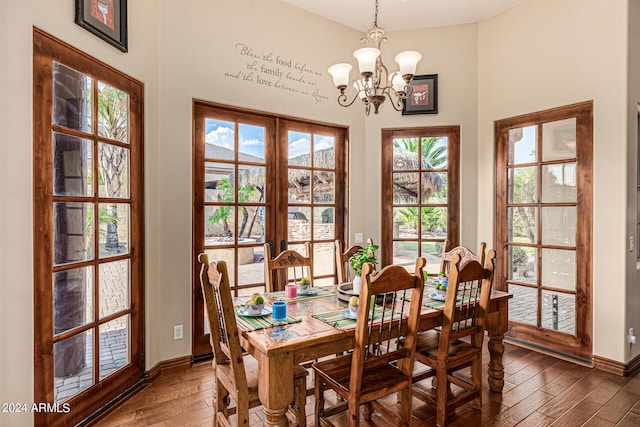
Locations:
{"points": [[338, 321], [261, 322], [281, 295]]}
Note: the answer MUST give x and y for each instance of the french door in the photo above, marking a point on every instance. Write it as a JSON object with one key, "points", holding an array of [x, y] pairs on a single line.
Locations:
{"points": [[420, 194], [543, 226], [88, 232], [259, 178]]}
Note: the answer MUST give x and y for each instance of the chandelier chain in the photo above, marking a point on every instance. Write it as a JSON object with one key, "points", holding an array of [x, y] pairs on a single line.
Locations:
{"points": [[375, 18]]}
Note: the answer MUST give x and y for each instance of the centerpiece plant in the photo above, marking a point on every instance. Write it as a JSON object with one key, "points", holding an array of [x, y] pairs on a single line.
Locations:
{"points": [[357, 260]]}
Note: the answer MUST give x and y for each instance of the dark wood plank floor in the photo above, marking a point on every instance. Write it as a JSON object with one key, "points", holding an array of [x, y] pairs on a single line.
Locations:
{"points": [[539, 390]]}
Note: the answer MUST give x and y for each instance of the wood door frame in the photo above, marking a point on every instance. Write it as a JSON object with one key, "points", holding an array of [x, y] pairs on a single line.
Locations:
{"points": [[200, 344], [386, 185], [581, 345], [46, 49]]}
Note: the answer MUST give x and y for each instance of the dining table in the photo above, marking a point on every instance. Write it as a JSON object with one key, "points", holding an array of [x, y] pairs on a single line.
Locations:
{"points": [[317, 325]]}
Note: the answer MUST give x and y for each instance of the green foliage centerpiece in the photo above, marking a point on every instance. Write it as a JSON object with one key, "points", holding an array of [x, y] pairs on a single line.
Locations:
{"points": [[365, 254]]}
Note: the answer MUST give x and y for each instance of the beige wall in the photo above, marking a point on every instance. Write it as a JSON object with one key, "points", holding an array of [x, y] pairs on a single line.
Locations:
{"points": [[518, 62], [548, 53]]}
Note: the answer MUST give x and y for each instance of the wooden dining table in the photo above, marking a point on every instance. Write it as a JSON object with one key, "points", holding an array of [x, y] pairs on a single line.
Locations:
{"points": [[279, 348]]}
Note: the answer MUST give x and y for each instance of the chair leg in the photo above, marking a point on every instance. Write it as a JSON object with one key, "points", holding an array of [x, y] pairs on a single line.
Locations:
{"points": [[367, 411], [300, 401], [476, 379], [221, 399], [319, 395], [242, 412], [441, 396], [354, 412], [405, 408]]}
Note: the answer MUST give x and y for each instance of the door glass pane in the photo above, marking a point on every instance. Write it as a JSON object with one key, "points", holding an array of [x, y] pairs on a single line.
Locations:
{"points": [[523, 185], [251, 183], [323, 259], [113, 113], [522, 145], [559, 183], [522, 264], [251, 228], [114, 287], [114, 229], [72, 299], [114, 171], [226, 255], [219, 140], [432, 252], [558, 311], [299, 188], [299, 223], [405, 254], [405, 222], [559, 140], [324, 151], [299, 149], [405, 188], [323, 223], [559, 268], [405, 154], [250, 265], [114, 345], [434, 153], [434, 222], [72, 165], [219, 225], [72, 98], [434, 187], [523, 307], [216, 182], [523, 224], [323, 187], [559, 225], [251, 143], [72, 365], [72, 225]]}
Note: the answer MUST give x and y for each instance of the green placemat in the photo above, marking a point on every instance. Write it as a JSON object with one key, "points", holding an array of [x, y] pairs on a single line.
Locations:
{"points": [[247, 323], [281, 295], [337, 320]]}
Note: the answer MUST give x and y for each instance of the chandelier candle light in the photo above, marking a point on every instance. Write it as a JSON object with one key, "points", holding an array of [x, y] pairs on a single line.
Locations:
{"points": [[376, 84]]}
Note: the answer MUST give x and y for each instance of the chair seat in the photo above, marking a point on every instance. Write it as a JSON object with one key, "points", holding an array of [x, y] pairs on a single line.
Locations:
{"points": [[252, 371], [458, 352], [338, 372]]}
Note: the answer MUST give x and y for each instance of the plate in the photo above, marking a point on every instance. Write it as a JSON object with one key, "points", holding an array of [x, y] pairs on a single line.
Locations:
{"points": [[311, 291], [437, 297], [243, 312], [347, 313]]}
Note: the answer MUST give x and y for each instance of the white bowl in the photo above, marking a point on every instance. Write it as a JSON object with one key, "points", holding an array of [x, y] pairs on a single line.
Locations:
{"points": [[441, 293], [253, 309], [303, 288], [353, 309]]}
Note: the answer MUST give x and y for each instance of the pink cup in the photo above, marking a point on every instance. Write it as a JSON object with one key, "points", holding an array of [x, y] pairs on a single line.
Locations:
{"points": [[290, 291]]}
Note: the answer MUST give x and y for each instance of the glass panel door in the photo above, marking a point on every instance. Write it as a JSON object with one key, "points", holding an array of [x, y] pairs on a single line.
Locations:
{"points": [[543, 166]]}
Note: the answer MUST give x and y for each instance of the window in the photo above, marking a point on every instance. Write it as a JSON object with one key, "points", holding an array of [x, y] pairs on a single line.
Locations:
{"points": [[87, 231], [420, 194]]}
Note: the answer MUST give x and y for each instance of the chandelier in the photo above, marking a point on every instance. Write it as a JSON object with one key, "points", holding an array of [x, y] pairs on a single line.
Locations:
{"points": [[375, 83]]}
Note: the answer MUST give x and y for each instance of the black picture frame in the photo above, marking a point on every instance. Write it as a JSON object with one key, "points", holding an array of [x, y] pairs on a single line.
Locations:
{"points": [[110, 27], [423, 99]]}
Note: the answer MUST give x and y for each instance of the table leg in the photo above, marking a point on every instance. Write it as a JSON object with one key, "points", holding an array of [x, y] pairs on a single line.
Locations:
{"points": [[497, 326], [275, 387]]}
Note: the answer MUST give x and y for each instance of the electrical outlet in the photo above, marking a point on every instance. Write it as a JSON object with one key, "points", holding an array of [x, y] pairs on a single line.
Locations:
{"points": [[177, 332], [632, 244], [631, 337], [358, 238]]}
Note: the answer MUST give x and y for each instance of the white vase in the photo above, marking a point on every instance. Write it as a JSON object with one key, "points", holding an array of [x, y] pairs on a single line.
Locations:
{"points": [[357, 283]]}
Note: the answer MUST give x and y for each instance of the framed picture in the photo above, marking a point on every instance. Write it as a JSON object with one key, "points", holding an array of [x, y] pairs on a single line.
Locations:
{"points": [[106, 19], [424, 97]]}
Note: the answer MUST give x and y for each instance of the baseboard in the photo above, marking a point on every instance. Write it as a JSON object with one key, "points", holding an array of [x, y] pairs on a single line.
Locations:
{"points": [[179, 362], [617, 368]]}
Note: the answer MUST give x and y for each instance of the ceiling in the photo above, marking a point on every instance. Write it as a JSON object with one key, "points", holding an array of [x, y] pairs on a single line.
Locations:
{"points": [[404, 14]]}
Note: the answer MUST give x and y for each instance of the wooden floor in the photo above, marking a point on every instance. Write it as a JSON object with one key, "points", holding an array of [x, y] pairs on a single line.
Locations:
{"points": [[539, 391]]}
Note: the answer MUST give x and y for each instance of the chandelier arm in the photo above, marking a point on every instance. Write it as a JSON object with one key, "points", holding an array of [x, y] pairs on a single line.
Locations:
{"points": [[395, 99], [342, 100]]}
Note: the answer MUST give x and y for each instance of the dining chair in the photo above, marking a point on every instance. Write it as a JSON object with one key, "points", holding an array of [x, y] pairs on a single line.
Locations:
{"points": [[443, 351], [276, 270], [236, 374], [464, 252], [381, 362], [342, 259]]}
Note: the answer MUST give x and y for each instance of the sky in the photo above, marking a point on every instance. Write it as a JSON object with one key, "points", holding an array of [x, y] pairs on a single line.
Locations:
{"points": [[251, 138]]}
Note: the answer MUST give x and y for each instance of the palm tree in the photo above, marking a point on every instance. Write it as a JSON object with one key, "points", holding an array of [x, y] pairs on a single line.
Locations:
{"points": [[432, 150]]}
